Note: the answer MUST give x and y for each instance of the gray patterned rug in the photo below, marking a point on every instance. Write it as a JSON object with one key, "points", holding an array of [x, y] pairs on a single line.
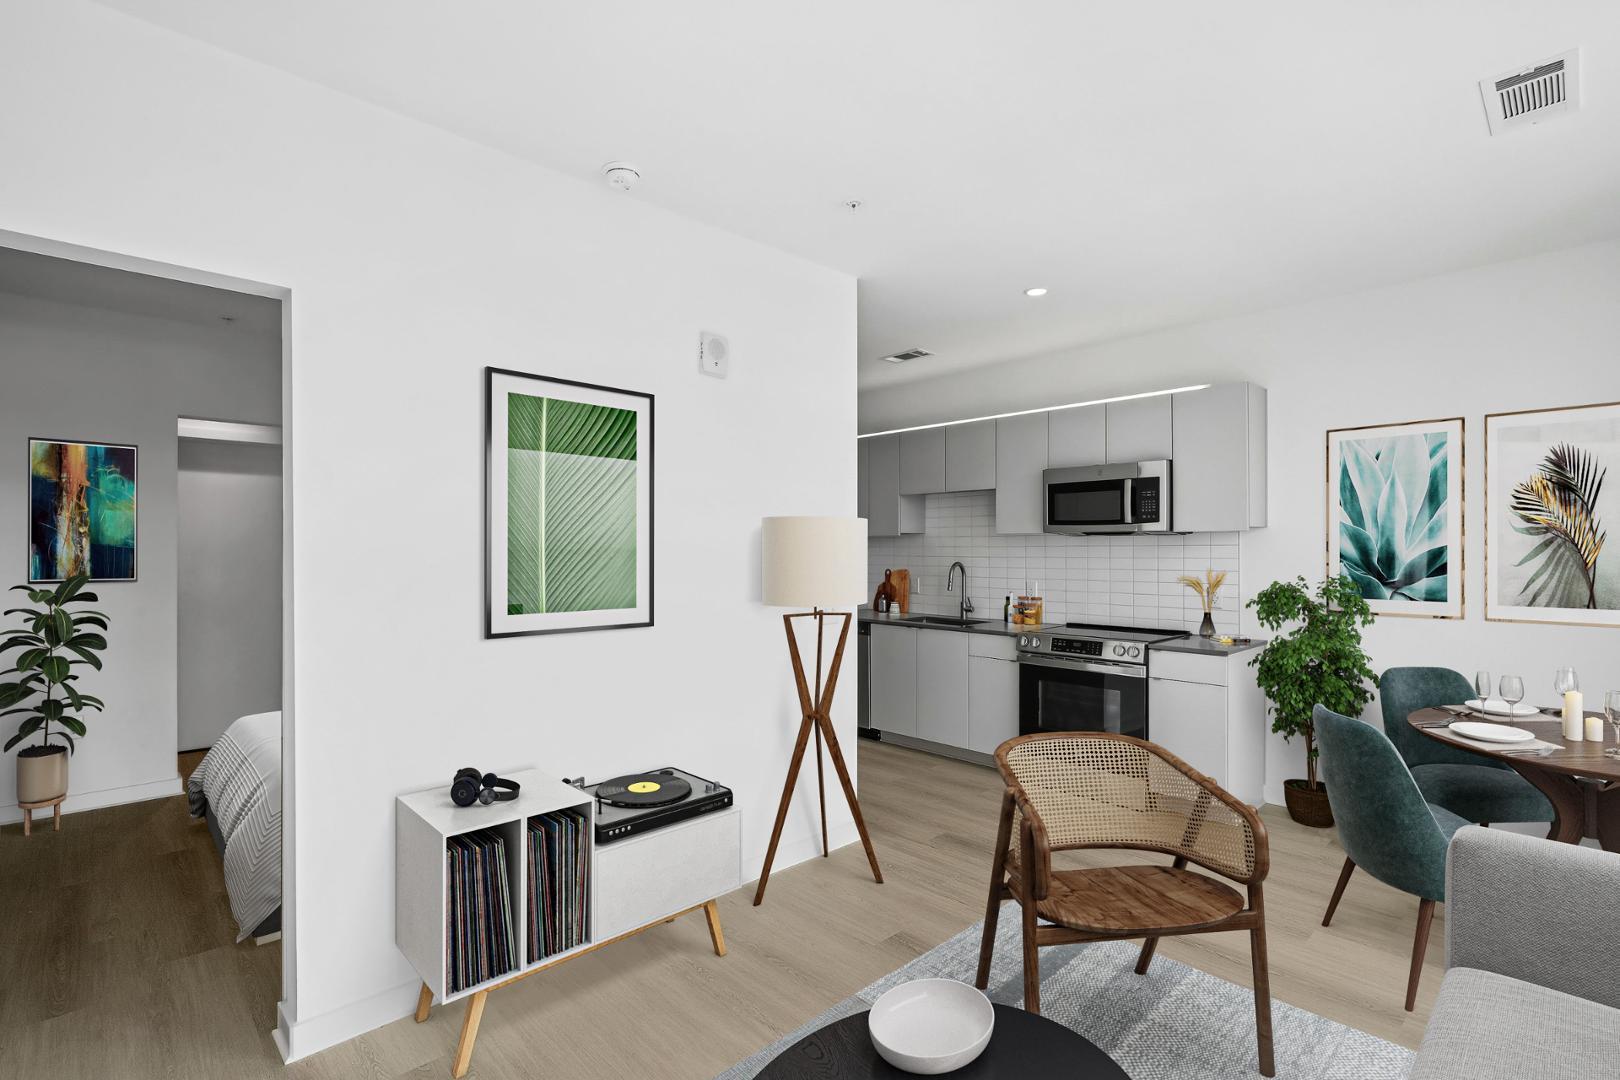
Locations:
{"points": [[1174, 1023]]}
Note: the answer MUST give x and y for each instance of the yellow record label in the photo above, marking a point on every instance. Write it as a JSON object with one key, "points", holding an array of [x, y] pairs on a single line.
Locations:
{"points": [[643, 787]]}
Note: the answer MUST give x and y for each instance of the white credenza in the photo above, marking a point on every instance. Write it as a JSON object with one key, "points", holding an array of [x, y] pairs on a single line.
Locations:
{"points": [[1208, 710]]}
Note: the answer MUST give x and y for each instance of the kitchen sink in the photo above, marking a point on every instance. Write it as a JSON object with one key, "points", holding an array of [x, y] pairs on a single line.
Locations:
{"points": [[942, 620]]}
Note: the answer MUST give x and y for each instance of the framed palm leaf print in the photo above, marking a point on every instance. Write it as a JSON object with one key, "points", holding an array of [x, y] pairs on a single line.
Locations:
{"points": [[568, 506], [1395, 515], [1548, 507]]}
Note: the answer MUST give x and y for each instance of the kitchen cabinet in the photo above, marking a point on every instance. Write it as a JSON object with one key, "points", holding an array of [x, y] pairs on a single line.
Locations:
{"points": [[1208, 711], [1077, 437], [894, 678], [970, 456], [863, 493], [942, 672], [1219, 482], [1139, 430], [992, 693], [922, 461], [888, 512], [1021, 456]]}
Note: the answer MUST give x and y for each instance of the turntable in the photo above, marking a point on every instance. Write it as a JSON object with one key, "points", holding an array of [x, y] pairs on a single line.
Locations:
{"points": [[629, 805]]}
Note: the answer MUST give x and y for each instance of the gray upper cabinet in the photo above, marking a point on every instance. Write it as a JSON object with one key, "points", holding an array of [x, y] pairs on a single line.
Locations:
{"points": [[885, 505], [1020, 458], [1220, 459], [922, 461], [863, 478], [1078, 437], [970, 456], [1139, 430]]}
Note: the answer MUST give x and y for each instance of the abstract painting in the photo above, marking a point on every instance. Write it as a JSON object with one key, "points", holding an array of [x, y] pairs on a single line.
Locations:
{"points": [[569, 492], [1546, 515], [1395, 515], [81, 511]]}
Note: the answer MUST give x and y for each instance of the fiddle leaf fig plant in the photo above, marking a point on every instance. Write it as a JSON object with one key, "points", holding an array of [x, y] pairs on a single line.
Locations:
{"points": [[57, 640], [1318, 661]]}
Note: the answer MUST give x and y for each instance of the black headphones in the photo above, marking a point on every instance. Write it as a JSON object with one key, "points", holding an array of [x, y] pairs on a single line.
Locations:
{"points": [[471, 786]]}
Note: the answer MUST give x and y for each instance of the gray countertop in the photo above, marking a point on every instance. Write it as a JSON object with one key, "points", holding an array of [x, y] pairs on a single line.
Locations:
{"points": [[994, 626], [1205, 646]]}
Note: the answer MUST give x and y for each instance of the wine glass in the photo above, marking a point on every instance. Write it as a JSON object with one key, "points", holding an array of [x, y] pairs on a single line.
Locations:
{"points": [[1611, 709], [1482, 686], [1512, 691], [1565, 680]]}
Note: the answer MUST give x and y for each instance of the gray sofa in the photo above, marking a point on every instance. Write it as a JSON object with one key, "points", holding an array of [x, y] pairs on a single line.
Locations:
{"points": [[1533, 952]]}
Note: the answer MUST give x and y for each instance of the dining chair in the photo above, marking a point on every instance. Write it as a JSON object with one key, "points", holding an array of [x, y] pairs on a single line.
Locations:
{"points": [[1469, 785], [1386, 827], [1079, 789]]}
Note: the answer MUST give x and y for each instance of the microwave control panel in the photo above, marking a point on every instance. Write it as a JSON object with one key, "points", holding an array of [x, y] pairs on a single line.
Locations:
{"points": [[1147, 499]]}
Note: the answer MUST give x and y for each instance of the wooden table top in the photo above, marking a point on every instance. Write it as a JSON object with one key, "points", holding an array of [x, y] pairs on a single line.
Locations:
{"points": [[1571, 758]]}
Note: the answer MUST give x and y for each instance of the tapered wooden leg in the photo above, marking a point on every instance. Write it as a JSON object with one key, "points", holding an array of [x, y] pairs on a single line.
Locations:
{"points": [[1338, 890], [469, 1034], [28, 822], [998, 889], [424, 1004], [1032, 959], [821, 797], [1420, 946], [56, 818], [1145, 957], [1262, 999], [782, 807], [837, 756], [711, 912]]}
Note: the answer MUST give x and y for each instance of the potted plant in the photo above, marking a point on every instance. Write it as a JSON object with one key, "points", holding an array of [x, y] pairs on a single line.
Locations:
{"points": [[1318, 661], [57, 639]]}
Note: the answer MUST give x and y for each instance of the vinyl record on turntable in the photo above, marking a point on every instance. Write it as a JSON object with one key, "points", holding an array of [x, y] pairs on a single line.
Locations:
{"points": [[643, 789]]}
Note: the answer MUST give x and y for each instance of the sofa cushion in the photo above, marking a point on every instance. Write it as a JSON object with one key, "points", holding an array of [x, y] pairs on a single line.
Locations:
{"points": [[1482, 794], [1487, 1026]]}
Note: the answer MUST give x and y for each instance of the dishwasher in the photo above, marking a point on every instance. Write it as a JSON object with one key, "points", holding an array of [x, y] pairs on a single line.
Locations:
{"points": [[863, 684]]}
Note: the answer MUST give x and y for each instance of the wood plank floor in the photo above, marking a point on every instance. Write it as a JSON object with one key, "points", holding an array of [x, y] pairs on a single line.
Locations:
{"points": [[118, 959]]}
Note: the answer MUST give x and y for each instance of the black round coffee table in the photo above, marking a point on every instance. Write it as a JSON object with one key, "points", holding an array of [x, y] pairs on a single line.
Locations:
{"points": [[1023, 1045]]}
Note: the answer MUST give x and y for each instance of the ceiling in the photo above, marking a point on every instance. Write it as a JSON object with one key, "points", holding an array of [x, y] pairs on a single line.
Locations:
{"points": [[1150, 164]]}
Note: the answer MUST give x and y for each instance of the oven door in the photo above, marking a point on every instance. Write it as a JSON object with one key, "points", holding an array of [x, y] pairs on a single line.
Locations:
{"points": [[1081, 695]]}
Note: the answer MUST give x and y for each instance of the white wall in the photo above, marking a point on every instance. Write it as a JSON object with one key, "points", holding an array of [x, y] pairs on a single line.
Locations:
{"points": [[230, 583], [73, 372], [1527, 334], [414, 259]]}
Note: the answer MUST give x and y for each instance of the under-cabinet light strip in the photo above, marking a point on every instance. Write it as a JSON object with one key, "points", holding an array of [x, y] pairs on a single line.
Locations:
{"points": [[1028, 412]]}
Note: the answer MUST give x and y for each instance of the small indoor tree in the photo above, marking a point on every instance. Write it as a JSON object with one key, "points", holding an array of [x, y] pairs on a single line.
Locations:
{"points": [[57, 639], [1318, 661]]}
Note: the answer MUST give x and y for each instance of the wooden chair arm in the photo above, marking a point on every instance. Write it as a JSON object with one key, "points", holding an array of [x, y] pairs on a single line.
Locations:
{"points": [[1034, 850]]}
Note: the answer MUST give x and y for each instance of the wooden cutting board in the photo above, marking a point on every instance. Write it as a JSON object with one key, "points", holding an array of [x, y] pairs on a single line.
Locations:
{"points": [[902, 589]]}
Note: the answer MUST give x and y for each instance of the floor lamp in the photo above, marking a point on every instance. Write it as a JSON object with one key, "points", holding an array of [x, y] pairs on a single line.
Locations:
{"points": [[808, 562]]}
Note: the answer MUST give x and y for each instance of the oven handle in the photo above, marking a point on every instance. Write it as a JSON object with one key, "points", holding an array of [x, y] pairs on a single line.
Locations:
{"points": [[1128, 671]]}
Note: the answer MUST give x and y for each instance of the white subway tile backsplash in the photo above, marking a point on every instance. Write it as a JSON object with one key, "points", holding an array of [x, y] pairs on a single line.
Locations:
{"points": [[1123, 579]]}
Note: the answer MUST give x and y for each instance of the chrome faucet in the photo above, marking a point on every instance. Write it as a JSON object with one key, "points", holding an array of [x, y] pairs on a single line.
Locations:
{"points": [[965, 608]]}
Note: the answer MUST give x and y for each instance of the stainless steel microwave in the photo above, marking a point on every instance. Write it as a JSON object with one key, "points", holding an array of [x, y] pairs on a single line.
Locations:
{"points": [[1108, 498]]}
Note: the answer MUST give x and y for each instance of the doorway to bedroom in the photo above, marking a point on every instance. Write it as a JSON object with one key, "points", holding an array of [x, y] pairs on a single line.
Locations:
{"points": [[152, 407]]}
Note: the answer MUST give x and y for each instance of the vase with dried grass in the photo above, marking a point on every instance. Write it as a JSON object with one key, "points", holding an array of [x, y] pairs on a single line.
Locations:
{"points": [[1206, 588]]}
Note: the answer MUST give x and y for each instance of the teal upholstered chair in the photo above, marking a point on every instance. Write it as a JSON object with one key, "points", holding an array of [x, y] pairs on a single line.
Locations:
{"points": [[1469, 785], [1385, 825]]}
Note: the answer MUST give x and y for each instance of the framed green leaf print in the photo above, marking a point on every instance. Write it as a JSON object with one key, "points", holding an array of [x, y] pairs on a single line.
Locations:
{"points": [[1395, 515], [568, 495]]}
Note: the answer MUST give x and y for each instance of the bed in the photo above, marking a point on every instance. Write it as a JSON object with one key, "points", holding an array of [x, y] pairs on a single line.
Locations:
{"points": [[237, 790]]}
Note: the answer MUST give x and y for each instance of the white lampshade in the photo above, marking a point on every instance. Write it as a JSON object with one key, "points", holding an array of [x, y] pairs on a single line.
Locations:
{"points": [[811, 562]]}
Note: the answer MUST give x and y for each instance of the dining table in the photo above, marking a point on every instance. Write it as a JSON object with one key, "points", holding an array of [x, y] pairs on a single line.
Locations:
{"points": [[1579, 778]]}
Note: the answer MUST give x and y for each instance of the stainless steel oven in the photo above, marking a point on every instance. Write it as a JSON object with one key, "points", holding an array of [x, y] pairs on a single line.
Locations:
{"points": [[1086, 678], [1108, 498]]}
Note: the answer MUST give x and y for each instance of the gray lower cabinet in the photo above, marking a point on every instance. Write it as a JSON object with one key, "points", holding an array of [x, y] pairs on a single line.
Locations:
{"points": [[1189, 720], [894, 679], [942, 709], [1208, 711], [992, 719], [1020, 459]]}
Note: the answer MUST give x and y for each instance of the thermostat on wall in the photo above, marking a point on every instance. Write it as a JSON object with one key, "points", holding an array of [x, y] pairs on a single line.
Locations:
{"points": [[714, 355]]}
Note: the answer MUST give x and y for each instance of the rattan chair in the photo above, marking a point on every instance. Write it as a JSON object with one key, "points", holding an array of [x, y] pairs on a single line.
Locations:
{"points": [[1070, 790]]}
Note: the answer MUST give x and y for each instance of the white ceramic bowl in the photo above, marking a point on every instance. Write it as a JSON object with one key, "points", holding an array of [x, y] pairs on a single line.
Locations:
{"points": [[931, 1026]]}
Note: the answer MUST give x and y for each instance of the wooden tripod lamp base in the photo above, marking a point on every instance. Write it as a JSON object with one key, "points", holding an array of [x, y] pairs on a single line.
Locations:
{"points": [[804, 558]]}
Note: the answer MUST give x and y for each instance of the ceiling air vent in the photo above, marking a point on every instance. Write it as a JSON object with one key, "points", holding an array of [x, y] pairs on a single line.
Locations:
{"points": [[909, 354], [1530, 95]]}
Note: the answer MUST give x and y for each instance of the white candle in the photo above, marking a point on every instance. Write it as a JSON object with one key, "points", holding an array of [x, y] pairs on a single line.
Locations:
{"points": [[1594, 729], [1573, 727]]}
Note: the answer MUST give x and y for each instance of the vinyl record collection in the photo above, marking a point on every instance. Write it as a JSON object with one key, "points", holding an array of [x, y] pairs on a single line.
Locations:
{"points": [[479, 931], [559, 883]]}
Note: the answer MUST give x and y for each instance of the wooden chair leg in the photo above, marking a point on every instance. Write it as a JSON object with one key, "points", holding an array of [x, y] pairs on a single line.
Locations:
{"points": [[1262, 999], [1338, 890], [1032, 960], [424, 1004], [998, 889], [1420, 946], [711, 912], [1146, 956], [469, 1034]]}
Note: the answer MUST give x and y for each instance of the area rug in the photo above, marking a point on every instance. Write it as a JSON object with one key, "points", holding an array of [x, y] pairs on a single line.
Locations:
{"points": [[1174, 1023]]}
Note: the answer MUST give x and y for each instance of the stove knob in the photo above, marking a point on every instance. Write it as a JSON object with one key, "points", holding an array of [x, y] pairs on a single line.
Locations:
{"points": [[1134, 651], [1023, 641], [1119, 650], [1034, 642]]}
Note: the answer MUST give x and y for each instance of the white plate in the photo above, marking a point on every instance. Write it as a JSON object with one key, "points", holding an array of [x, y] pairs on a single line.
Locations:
{"points": [[931, 1026], [1498, 707], [1470, 729]]}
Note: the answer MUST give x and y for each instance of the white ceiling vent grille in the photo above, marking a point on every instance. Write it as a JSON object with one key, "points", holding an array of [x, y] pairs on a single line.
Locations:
{"points": [[1531, 95], [909, 354]]}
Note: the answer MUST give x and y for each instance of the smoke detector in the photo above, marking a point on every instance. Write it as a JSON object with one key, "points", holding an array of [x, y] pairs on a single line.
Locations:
{"points": [[909, 354], [621, 175], [1532, 94]]}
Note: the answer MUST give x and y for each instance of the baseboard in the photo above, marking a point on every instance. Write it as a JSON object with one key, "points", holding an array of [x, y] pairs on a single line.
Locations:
{"points": [[300, 1038], [839, 834], [95, 800]]}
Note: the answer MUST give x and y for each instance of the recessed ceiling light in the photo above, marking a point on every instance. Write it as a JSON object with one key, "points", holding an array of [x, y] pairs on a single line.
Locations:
{"points": [[1035, 292]]}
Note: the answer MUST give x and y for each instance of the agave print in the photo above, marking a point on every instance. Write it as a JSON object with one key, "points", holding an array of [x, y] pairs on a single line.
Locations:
{"points": [[1393, 516], [1559, 505]]}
